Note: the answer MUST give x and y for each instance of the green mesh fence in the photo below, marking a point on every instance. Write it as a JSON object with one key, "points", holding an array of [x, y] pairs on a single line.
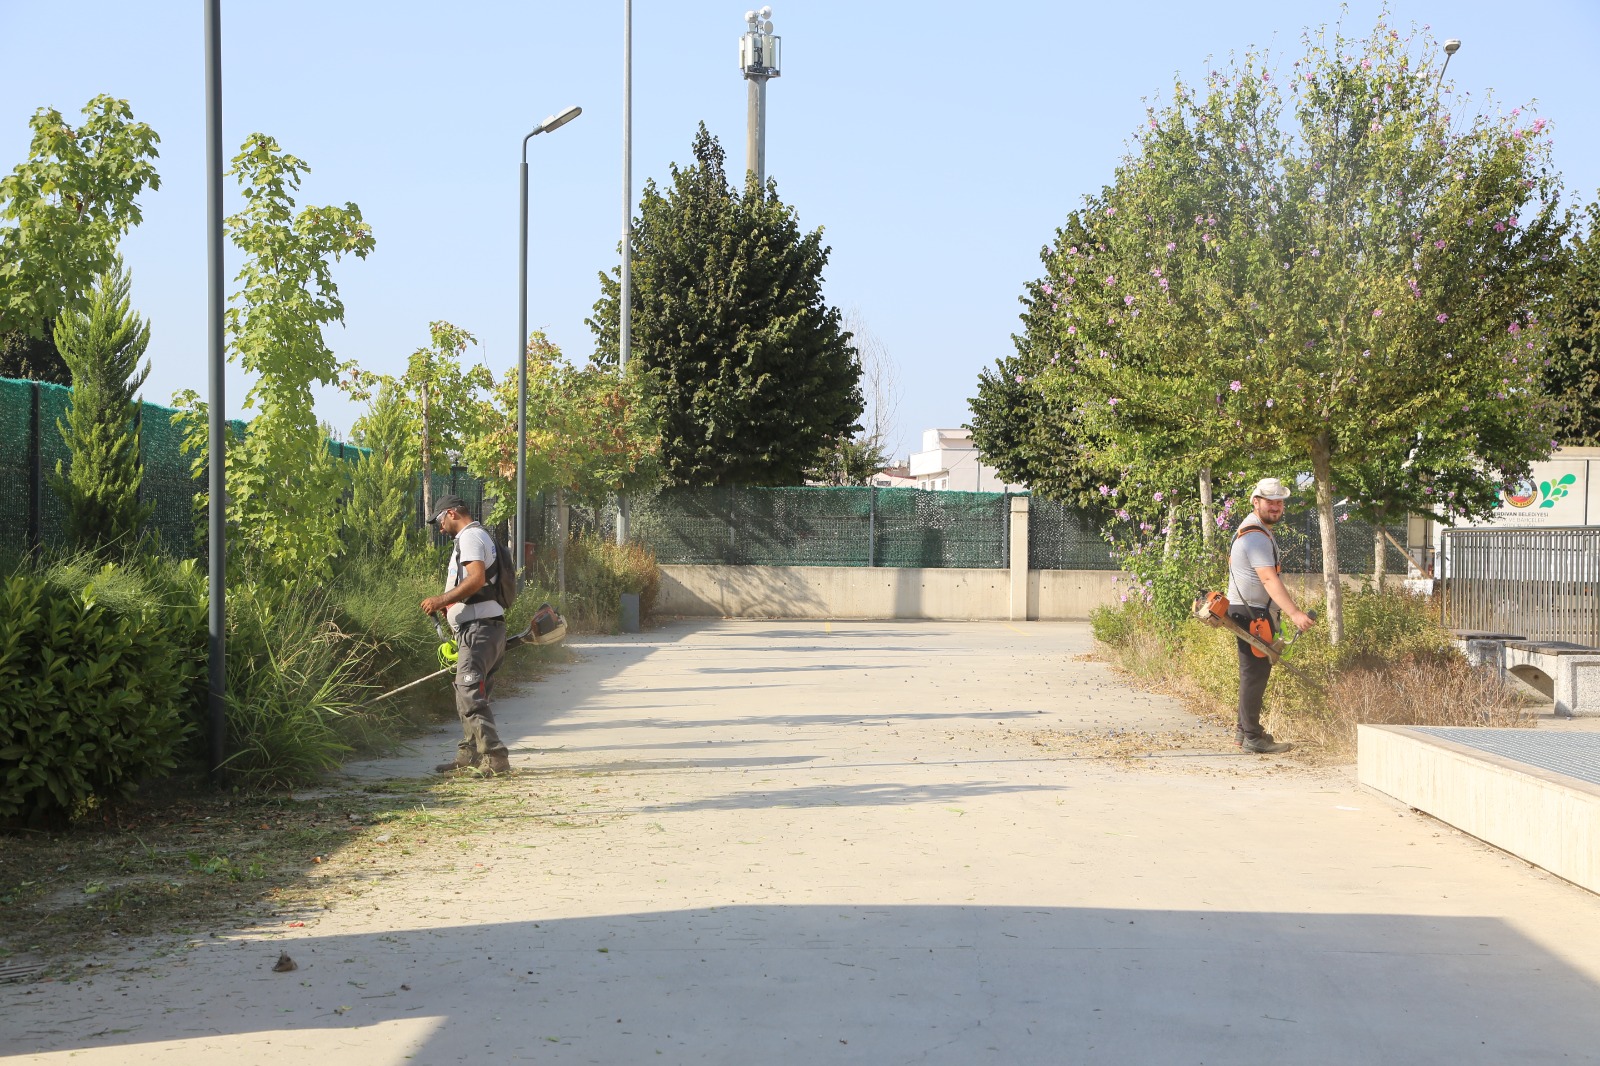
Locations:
{"points": [[811, 526], [1299, 538], [32, 514], [1065, 538]]}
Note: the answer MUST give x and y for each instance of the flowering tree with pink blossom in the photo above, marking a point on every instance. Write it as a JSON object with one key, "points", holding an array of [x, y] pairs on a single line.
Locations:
{"points": [[1342, 274]]}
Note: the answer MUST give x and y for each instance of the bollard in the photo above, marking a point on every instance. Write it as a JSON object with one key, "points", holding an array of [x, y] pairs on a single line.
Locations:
{"points": [[630, 612]]}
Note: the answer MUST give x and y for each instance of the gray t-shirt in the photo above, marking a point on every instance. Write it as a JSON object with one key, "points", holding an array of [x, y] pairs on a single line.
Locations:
{"points": [[473, 544], [1249, 551]]}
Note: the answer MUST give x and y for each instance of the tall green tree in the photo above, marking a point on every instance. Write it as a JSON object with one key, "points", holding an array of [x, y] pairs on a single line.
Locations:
{"points": [[103, 345], [753, 371], [62, 212], [1355, 291], [283, 486], [1572, 379]]}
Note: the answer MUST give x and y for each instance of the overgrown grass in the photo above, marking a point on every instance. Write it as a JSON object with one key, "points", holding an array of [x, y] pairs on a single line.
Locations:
{"points": [[1395, 666], [599, 571]]}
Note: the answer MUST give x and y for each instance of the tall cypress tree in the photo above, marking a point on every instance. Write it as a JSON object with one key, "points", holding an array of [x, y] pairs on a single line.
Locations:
{"points": [[102, 346], [754, 373]]}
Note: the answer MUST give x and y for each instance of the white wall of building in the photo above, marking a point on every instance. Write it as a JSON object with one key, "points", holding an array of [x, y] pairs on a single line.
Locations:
{"points": [[949, 460]]}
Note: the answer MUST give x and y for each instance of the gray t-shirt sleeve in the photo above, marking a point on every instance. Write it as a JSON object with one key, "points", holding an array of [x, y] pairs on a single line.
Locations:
{"points": [[1253, 550]]}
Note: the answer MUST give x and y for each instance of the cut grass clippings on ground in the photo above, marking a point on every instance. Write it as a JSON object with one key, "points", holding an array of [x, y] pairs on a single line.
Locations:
{"points": [[199, 864]]}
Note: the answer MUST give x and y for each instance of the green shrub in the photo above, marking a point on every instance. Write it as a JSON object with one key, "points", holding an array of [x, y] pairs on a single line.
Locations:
{"points": [[96, 682]]}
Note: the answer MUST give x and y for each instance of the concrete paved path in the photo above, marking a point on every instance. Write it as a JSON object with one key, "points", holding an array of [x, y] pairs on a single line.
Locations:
{"points": [[876, 843]]}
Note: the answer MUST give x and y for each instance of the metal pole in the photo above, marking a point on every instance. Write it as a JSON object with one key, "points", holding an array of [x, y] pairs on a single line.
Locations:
{"points": [[755, 133], [625, 326], [216, 544], [522, 374]]}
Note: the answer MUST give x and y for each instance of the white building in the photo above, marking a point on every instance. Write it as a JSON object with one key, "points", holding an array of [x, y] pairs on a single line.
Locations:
{"points": [[949, 460]]}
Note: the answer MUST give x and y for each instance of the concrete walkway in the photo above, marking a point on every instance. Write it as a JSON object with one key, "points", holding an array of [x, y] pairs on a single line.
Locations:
{"points": [[875, 843]]}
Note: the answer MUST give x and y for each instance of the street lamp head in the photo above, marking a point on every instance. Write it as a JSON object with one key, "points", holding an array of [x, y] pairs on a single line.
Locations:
{"points": [[1451, 46], [556, 121]]}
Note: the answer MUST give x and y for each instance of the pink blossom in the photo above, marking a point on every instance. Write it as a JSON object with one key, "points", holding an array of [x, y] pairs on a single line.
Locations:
{"points": [[1378, 313], [1111, 279], [1499, 227], [1366, 64], [1073, 250], [1105, 490], [1269, 402], [1070, 279], [1113, 402], [1171, 247], [1538, 124], [1441, 317], [1110, 211], [1072, 331], [1163, 284], [1512, 221], [1046, 289], [1439, 245], [1020, 379], [1514, 329], [1235, 386], [1127, 301]]}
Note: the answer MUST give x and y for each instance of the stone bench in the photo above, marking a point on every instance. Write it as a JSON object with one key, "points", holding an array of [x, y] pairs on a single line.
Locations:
{"points": [[1566, 672]]}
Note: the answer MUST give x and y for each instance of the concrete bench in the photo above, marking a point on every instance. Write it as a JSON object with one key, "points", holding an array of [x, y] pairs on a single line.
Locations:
{"points": [[1566, 672]]}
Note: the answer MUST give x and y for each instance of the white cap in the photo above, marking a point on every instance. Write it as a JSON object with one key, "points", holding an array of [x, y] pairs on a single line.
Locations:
{"points": [[1270, 488]]}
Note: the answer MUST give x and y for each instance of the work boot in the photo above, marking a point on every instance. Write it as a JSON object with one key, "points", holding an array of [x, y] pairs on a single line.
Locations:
{"points": [[495, 763], [1264, 745], [464, 760]]}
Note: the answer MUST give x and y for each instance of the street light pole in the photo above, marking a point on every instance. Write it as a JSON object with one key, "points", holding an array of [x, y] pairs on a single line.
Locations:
{"points": [[1451, 47], [758, 61], [554, 122], [216, 456], [625, 325]]}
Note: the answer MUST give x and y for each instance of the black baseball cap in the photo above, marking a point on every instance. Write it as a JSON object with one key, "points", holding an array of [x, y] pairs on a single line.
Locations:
{"points": [[447, 503]]}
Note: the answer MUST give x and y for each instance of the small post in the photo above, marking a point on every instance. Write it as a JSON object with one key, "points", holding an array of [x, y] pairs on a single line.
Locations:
{"points": [[872, 527], [1019, 558]]}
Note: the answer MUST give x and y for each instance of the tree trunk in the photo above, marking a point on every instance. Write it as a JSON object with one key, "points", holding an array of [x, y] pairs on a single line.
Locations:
{"points": [[1380, 556], [561, 544], [1333, 589], [1172, 527], [1206, 518], [427, 465]]}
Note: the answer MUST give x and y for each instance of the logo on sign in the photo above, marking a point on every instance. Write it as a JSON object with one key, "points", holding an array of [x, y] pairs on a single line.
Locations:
{"points": [[1523, 493], [1551, 491]]}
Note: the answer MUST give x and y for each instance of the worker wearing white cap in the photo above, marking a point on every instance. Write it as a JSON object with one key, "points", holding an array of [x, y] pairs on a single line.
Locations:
{"points": [[1257, 600]]}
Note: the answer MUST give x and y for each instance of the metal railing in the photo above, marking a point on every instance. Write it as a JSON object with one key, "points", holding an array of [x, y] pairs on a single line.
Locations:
{"points": [[1543, 584]]}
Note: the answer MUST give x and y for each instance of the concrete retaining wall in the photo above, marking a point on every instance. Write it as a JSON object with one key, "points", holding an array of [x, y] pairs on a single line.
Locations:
{"points": [[1545, 818], [895, 592]]}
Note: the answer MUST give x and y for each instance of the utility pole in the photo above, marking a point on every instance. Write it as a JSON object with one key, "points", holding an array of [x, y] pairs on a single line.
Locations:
{"points": [[758, 61]]}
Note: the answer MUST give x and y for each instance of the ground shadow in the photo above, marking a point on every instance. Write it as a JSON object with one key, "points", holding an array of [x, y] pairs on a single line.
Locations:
{"points": [[848, 984]]}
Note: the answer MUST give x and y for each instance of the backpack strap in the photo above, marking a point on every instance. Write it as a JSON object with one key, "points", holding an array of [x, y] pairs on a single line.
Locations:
{"points": [[1277, 564], [491, 572]]}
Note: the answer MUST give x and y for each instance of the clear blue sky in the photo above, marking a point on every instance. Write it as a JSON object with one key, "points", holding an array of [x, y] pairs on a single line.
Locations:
{"points": [[939, 144]]}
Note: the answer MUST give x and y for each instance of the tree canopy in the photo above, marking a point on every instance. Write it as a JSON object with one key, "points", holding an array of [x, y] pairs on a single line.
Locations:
{"points": [[750, 366]]}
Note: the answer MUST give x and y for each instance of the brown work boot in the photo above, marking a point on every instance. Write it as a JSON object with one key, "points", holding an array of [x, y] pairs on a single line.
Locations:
{"points": [[464, 760], [496, 763]]}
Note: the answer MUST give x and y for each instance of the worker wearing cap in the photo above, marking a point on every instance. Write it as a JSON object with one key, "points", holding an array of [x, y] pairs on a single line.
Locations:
{"points": [[1256, 591], [479, 624]]}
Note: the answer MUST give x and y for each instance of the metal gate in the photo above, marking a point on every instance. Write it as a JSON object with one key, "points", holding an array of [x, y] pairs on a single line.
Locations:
{"points": [[1542, 584]]}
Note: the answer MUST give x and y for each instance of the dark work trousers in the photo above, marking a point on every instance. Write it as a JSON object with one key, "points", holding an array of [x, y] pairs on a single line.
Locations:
{"points": [[481, 645], [1253, 673]]}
